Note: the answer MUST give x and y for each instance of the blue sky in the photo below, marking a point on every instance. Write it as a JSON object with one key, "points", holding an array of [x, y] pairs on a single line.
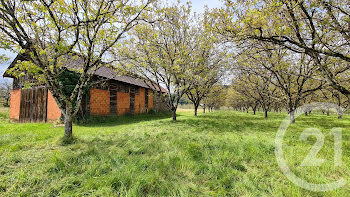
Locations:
{"points": [[5, 65], [197, 5]]}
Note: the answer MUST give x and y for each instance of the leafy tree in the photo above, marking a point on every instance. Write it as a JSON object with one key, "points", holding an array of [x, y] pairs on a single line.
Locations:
{"points": [[235, 100], [317, 28], [5, 91], [56, 33], [258, 90], [216, 98], [211, 62], [295, 77], [162, 51], [330, 95]]}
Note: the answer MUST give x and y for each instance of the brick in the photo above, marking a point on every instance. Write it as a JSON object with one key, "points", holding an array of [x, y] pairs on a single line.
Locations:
{"points": [[53, 111], [99, 102], [15, 104], [123, 105]]}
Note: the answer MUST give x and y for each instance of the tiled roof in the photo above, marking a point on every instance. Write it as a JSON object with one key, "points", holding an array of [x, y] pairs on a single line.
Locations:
{"points": [[75, 63]]}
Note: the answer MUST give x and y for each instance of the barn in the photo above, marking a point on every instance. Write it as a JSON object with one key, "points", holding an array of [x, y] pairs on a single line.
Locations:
{"points": [[113, 95]]}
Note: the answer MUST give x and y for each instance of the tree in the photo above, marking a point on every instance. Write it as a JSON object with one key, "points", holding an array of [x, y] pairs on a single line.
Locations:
{"points": [[5, 91], [211, 60], [248, 97], [295, 76], [259, 89], [234, 99], [329, 94], [163, 51], [317, 28], [51, 32], [216, 97]]}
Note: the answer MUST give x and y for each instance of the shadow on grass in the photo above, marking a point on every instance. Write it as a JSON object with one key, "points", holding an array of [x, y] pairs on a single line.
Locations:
{"points": [[65, 141], [98, 121], [233, 122]]}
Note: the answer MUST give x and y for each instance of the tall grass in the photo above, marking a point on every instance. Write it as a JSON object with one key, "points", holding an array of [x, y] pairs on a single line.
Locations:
{"points": [[215, 154]]}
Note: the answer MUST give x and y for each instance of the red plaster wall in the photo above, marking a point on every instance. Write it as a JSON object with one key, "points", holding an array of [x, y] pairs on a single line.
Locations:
{"points": [[15, 104], [123, 105], [53, 111], [99, 102]]}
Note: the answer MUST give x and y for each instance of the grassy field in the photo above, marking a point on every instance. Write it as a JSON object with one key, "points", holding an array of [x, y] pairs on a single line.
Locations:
{"points": [[215, 154]]}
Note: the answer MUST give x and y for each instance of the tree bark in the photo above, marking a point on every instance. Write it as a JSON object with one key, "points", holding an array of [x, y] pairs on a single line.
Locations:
{"points": [[306, 113], [340, 113], [68, 126], [195, 110], [174, 114], [266, 113], [68, 121], [292, 117]]}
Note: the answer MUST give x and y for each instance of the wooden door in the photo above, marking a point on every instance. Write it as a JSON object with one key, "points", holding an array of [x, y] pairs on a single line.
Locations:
{"points": [[33, 106]]}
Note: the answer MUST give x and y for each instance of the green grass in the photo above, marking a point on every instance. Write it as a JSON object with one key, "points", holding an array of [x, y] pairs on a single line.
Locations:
{"points": [[215, 154]]}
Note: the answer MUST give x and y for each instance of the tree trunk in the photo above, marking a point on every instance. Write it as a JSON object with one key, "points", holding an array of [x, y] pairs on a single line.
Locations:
{"points": [[254, 111], [292, 117], [195, 110], [7, 101], [68, 126], [340, 113], [266, 113], [204, 109], [306, 113], [328, 113], [174, 114]]}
